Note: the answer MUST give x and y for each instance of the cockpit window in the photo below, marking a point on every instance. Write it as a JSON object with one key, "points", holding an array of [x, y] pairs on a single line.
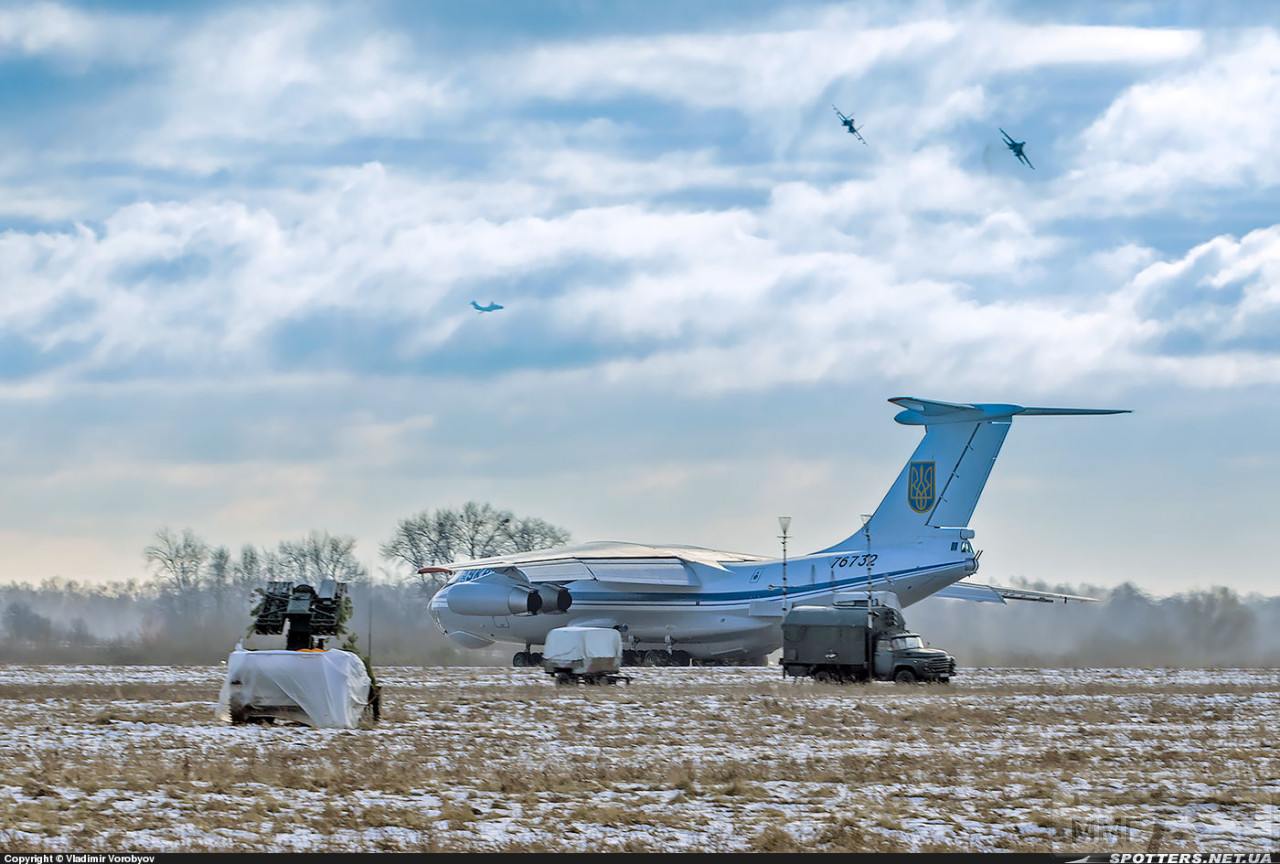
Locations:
{"points": [[966, 546]]}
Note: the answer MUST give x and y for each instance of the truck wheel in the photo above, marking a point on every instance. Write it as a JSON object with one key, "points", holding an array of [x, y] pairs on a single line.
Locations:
{"points": [[904, 676]]}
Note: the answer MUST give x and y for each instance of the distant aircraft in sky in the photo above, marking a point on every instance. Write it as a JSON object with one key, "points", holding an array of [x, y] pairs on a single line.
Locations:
{"points": [[1016, 147], [492, 307], [847, 123]]}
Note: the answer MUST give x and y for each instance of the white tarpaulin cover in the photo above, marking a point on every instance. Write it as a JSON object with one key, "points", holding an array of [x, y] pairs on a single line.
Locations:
{"points": [[584, 649], [330, 687]]}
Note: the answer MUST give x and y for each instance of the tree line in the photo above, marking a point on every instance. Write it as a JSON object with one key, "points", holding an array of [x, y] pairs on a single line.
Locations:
{"points": [[194, 603]]}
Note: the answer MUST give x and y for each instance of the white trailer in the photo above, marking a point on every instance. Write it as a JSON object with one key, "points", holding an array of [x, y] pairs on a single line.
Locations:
{"points": [[326, 689], [590, 655]]}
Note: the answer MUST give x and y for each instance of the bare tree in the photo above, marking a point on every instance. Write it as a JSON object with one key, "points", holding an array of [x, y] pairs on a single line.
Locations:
{"points": [[475, 531], [177, 560], [481, 529], [526, 535], [316, 557], [246, 573], [427, 538], [217, 575]]}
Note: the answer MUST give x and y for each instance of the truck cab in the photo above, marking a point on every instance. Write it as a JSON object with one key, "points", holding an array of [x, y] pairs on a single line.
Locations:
{"points": [[902, 656]]}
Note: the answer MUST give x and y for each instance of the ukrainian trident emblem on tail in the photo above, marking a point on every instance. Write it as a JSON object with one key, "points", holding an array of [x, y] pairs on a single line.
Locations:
{"points": [[921, 490]]}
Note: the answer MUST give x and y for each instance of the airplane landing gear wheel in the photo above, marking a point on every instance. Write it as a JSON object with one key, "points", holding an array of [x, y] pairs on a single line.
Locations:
{"points": [[522, 659]]}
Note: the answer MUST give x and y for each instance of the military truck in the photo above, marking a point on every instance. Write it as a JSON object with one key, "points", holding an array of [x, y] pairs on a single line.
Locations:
{"points": [[830, 643]]}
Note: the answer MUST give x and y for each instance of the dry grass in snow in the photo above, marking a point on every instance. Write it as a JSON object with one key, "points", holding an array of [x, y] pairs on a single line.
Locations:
{"points": [[116, 758]]}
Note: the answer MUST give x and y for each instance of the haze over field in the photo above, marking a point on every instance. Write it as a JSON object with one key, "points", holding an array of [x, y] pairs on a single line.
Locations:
{"points": [[237, 248], [122, 623]]}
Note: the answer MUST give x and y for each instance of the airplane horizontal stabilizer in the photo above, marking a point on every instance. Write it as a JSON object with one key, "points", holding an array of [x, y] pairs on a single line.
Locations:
{"points": [[976, 593], [931, 412]]}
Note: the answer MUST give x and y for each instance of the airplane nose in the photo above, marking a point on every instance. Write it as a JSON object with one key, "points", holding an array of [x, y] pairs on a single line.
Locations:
{"points": [[438, 609], [452, 624]]}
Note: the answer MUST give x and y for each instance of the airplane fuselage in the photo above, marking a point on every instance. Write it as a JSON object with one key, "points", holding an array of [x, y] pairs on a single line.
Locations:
{"points": [[722, 605], [730, 611]]}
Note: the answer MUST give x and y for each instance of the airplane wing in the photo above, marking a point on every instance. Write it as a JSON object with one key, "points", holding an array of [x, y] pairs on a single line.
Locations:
{"points": [[995, 594], [635, 571], [1028, 161], [629, 563], [1006, 135]]}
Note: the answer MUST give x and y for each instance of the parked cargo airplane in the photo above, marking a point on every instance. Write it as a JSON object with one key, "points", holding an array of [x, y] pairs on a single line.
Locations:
{"points": [[674, 604]]}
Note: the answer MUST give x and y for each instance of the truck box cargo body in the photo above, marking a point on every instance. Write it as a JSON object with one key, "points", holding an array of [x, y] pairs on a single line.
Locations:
{"points": [[830, 644]]}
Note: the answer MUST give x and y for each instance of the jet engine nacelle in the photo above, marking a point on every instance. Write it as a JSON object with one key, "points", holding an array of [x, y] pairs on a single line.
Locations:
{"points": [[554, 598], [491, 598]]}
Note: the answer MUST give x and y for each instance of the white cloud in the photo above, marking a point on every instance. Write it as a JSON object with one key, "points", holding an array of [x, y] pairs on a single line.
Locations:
{"points": [[290, 75], [69, 34], [750, 71], [809, 287], [1214, 126], [1221, 295], [778, 64]]}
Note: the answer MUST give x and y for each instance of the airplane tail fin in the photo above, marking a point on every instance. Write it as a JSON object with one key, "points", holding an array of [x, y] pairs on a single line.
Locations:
{"points": [[940, 485]]}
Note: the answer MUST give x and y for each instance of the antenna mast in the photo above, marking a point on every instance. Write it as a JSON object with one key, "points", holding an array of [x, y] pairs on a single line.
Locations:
{"points": [[871, 660], [784, 522]]}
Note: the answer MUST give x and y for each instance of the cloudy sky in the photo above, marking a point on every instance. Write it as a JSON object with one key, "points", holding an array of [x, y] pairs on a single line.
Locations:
{"points": [[237, 248]]}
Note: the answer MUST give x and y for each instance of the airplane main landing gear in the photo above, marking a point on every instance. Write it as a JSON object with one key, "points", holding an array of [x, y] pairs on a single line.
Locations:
{"points": [[758, 660], [522, 659], [661, 657]]}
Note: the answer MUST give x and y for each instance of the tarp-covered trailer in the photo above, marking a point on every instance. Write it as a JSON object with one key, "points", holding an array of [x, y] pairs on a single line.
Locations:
{"points": [[590, 655], [321, 688]]}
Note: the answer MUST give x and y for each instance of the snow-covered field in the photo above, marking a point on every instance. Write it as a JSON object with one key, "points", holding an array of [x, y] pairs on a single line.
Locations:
{"points": [[130, 758]]}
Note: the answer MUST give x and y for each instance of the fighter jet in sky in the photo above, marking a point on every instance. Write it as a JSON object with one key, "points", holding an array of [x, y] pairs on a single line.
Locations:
{"points": [[847, 123], [492, 307], [1016, 147]]}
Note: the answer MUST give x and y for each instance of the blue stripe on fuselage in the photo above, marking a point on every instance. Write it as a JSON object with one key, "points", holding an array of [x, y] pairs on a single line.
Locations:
{"points": [[721, 596]]}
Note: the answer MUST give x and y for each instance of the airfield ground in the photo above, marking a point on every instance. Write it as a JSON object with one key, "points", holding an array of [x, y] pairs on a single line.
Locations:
{"points": [[130, 758]]}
